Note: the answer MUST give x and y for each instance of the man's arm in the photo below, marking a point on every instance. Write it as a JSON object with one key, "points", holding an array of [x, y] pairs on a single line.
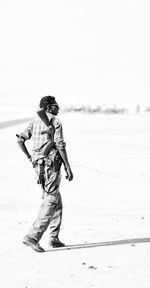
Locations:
{"points": [[63, 154], [21, 138], [20, 141], [60, 144]]}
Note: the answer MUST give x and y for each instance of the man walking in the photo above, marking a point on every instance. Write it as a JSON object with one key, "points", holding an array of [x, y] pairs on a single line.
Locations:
{"points": [[48, 154]]}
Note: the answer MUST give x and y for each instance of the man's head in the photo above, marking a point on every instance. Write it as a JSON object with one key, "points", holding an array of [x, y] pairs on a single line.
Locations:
{"points": [[49, 104]]}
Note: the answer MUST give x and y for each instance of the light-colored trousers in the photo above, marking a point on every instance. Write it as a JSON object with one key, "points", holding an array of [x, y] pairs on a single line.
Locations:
{"points": [[50, 213]]}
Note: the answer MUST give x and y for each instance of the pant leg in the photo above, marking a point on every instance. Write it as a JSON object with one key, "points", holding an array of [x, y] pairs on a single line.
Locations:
{"points": [[50, 210], [56, 220]]}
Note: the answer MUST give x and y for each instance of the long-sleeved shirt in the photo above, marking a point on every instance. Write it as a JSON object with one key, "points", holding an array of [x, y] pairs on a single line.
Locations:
{"points": [[35, 132]]}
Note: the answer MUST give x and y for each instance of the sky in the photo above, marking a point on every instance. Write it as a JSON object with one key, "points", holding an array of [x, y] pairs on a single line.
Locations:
{"points": [[82, 52]]}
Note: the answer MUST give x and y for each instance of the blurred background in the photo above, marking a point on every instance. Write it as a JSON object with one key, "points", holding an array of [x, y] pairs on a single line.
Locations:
{"points": [[92, 55]]}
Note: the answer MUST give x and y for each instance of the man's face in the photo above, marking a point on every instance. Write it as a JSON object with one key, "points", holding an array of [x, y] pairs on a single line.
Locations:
{"points": [[53, 108]]}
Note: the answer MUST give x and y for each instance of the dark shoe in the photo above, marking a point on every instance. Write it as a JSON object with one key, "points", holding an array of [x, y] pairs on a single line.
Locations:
{"points": [[55, 243], [33, 244]]}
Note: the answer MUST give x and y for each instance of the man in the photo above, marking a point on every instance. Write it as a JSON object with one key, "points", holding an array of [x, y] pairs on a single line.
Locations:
{"points": [[48, 154]]}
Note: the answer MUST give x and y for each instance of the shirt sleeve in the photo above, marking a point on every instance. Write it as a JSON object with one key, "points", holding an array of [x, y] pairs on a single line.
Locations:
{"points": [[58, 135], [26, 135]]}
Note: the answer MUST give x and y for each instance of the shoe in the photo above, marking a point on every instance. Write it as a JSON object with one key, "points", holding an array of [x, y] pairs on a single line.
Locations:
{"points": [[55, 243], [33, 244]]}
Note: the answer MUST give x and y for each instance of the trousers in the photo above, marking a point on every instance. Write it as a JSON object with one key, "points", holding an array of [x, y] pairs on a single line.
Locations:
{"points": [[50, 213]]}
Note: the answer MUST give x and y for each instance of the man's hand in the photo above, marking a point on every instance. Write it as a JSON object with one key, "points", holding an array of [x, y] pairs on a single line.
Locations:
{"points": [[69, 174]]}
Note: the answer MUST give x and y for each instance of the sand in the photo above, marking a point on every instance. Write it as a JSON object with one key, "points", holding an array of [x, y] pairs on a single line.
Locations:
{"points": [[108, 201]]}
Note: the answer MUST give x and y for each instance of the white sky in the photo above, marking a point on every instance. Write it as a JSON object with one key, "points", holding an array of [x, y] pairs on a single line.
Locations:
{"points": [[83, 51]]}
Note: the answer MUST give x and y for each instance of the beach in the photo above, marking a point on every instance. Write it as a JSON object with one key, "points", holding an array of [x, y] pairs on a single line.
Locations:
{"points": [[108, 201]]}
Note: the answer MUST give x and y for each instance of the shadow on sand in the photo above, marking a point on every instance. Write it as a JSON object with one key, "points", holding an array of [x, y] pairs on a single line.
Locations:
{"points": [[99, 244]]}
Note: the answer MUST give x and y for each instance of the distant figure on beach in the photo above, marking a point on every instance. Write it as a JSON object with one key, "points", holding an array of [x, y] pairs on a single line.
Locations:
{"points": [[49, 153], [137, 109]]}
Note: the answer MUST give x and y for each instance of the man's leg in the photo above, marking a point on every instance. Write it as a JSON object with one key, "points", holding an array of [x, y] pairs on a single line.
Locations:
{"points": [[51, 208], [56, 220], [55, 224], [45, 215]]}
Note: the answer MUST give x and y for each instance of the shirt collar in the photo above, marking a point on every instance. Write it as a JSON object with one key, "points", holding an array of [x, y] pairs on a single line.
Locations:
{"points": [[50, 115]]}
